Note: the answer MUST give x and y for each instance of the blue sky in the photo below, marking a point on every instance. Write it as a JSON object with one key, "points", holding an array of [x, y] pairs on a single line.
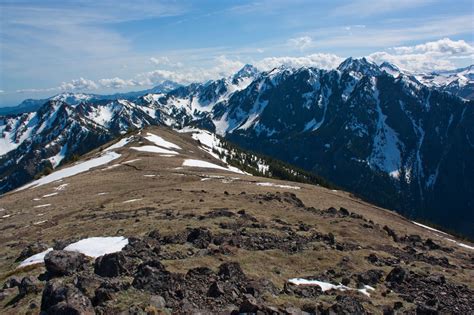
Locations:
{"points": [[48, 47]]}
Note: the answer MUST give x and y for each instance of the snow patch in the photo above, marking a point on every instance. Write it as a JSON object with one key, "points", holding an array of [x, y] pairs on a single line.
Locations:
{"points": [[159, 141], [154, 149], [119, 144], [42, 206], [72, 170], [35, 259], [279, 186], [204, 164], [326, 286], [132, 200], [98, 246], [50, 195]]}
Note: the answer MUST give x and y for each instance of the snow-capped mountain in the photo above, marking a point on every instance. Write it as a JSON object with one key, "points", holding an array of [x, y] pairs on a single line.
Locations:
{"points": [[459, 82], [374, 130], [31, 105], [34, 142]]}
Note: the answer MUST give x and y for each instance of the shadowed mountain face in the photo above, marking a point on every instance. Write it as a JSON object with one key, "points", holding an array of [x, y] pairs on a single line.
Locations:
{"points": [[161, 221], [396, 139]]}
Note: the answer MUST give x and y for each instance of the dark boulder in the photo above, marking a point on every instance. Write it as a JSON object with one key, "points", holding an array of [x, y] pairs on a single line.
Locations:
{"points": [[199, 237], [370, 277], [153, 277], [62, 263], [27, 286], [304, 291], [111, 265], [142, 249], [396, 276], [249, 305], [430, 244], [215, 290], [59, 298], [344, 212], [231, 270]]}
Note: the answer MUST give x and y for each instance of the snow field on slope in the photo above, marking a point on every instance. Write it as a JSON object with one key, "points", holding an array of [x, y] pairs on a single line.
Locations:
{"points": [[204, 164], [154, 149], [446, 238], [73, 170], [159, 141]]}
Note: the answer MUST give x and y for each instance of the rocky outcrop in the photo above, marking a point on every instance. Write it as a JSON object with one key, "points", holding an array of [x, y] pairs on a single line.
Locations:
{"points": [[61, 263]]}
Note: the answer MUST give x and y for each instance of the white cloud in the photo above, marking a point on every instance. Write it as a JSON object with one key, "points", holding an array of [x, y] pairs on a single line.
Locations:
{"points": [[302, 42], [79, 85], [442, 46], [2, 91], [426, 57], [117, 83], [160, 60], [220, 67], [412, 62], [319, 60]]}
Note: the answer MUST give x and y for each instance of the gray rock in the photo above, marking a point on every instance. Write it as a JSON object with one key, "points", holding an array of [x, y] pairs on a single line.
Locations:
{"points": [[62, 263]]}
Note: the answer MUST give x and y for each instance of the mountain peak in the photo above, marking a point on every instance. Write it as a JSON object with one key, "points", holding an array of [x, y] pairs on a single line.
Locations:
{"points": [[247, 71], [390, 68], [360, 65]]}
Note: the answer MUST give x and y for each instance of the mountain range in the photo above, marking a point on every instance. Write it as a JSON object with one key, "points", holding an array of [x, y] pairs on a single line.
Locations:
{"points": [[399, 139]]}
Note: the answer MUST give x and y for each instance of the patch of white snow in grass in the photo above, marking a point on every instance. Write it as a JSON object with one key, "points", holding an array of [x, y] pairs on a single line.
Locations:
{"points": [[98, 246], [119, 144], [429, 228], [35, 259], [132, 200], [365, 289], [159, 141], [50, 195], [279, 186], [102, 193], [6, 216], [131, 161], [204, 164], [149, 175], [460, 244], [448, 239], [40, 222], [61, 187], [72, 170], [465, 245], [42, 206], [154, 149], [326, 286], [110, 167]]}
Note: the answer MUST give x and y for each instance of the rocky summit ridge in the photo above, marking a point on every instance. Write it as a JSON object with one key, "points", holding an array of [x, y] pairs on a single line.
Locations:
{"points": [[165, 222]]}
